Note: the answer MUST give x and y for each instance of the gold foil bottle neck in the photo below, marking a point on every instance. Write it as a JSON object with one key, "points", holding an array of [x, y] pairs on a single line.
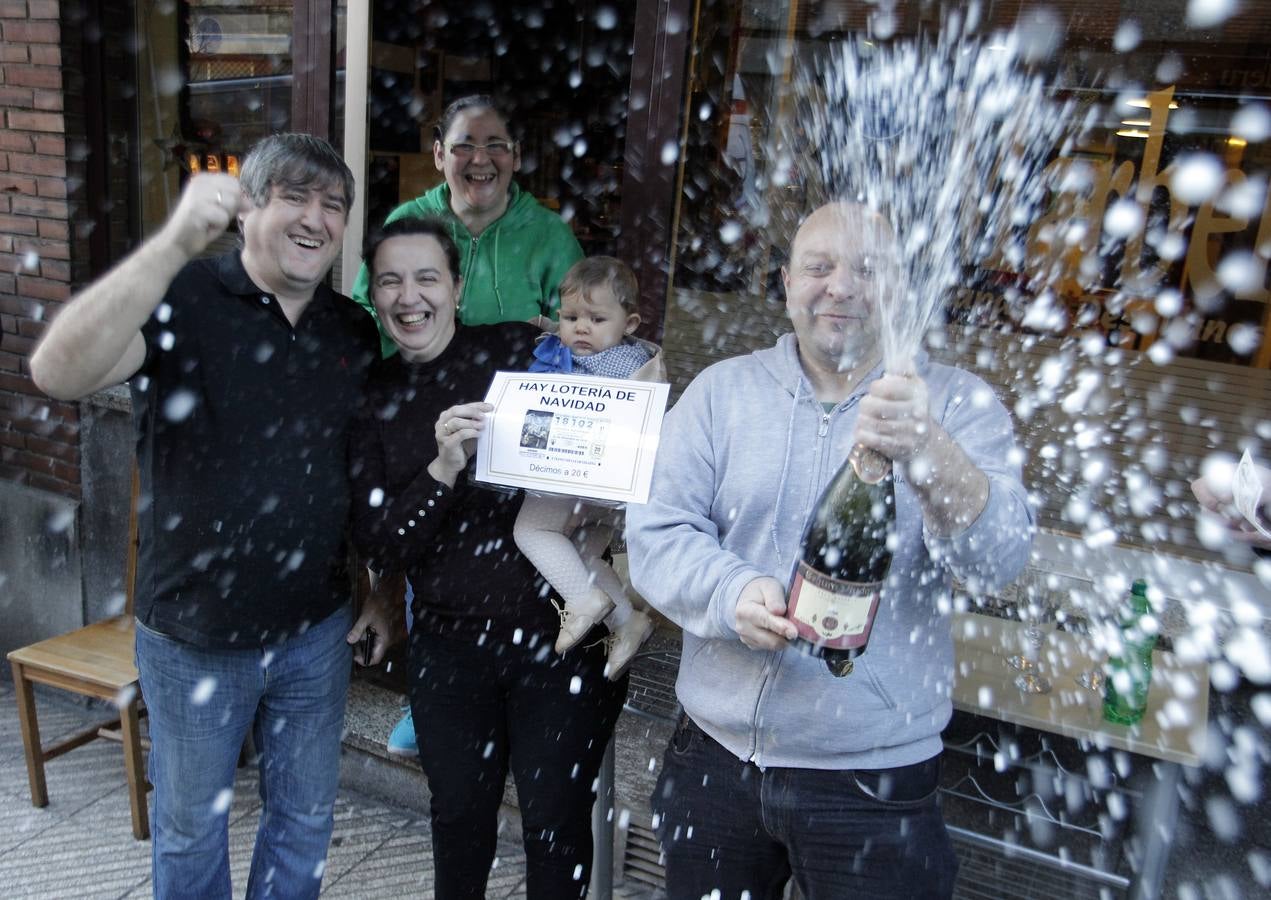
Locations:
{"points": [[870, 466]]}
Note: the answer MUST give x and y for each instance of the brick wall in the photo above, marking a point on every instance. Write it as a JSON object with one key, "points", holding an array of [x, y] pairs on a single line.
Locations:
{"points": [[39, 438]]}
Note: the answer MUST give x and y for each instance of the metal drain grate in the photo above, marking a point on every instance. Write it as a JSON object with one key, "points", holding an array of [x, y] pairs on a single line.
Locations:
{"points": [[986, 873], [652, 691], [641, 857]]}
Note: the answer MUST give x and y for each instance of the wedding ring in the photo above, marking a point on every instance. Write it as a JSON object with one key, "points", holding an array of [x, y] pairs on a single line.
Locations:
{"points": [[450, 428]]}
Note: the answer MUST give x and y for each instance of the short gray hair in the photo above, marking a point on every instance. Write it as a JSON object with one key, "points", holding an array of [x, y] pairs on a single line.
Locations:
{"points": [[294, 161]]}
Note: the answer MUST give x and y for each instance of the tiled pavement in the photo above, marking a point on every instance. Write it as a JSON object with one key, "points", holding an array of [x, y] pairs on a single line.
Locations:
{"points": [[81, 844]]}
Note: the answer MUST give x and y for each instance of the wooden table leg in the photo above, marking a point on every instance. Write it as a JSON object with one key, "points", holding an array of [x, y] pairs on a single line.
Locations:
{"points": [[130, 729], [30, 736]]}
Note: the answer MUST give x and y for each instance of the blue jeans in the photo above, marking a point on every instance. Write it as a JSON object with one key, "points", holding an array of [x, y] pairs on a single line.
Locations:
{"points": [[201, 703], [729, 826]]}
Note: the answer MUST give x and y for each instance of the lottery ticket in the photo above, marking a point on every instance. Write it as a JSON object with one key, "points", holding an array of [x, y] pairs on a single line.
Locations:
{"points": [[1246, 491], [580, 438]]}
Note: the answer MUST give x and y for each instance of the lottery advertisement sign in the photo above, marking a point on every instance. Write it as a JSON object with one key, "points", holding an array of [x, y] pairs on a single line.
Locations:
{"points": [[573, 435]]}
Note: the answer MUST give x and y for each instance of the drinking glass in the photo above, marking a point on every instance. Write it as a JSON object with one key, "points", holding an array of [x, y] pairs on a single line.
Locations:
{"points": [[1035, 604], [1096, 644]]}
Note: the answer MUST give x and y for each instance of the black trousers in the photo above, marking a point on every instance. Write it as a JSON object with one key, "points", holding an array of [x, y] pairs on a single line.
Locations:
{"points": [[732, 830], [488, 701]]}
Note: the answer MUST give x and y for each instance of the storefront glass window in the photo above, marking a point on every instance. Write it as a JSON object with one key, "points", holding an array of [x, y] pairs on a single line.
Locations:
{"points": [[239, 64], [562, 71], [1165, 327], [1124, 324]]}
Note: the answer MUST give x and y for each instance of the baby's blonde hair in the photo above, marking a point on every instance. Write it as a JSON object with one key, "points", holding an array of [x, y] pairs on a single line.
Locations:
{"points": [[602, 271]]}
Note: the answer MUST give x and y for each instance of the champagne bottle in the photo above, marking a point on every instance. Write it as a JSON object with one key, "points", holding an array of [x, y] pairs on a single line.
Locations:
{"points": [[844, 560], [1130, 670]]}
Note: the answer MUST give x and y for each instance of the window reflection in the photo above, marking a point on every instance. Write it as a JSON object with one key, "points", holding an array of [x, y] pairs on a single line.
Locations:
{"points": [[1176, 309], [238, 64], [562, 71]]}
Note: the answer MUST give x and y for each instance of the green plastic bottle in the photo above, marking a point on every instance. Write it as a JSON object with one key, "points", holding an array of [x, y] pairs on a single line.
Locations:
{"points": [[1130, 671]]}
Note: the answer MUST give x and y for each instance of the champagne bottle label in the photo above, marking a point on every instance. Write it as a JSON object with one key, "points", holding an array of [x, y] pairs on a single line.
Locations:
{"points": [[832, 613]]}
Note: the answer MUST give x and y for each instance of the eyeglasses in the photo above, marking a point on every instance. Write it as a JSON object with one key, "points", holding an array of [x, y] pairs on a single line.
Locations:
{"points": [[494, 149]]}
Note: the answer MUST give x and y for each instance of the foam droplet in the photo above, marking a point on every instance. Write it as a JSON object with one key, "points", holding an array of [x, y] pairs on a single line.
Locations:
{"points": [[61, 521], [1240, 272], [170, 81], [1160, 353], [1039, 31], [1252, 122], [222, 801], [1124, 218], [1243, 338], [883, 24], [1171, 247], [1169, 303], [606, 18], [179, 405], [1244, 200], [1197, 178], [203, 691], [1208, 13], [1127, 36]]}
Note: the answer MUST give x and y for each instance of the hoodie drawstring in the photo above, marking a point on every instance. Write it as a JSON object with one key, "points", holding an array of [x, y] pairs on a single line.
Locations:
{"points": [[498, 297], [785, 468], [463, 288]]}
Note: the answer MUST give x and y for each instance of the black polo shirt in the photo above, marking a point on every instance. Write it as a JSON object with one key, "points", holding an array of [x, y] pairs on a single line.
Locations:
{"points": [[242, 430]]}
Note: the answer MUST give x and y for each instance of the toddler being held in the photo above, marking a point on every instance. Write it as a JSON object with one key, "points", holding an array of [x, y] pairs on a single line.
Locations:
{"points": [[565, 537]]}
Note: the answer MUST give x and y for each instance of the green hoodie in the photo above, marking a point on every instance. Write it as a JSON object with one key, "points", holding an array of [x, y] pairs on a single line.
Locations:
{"points": [[510, 271]]}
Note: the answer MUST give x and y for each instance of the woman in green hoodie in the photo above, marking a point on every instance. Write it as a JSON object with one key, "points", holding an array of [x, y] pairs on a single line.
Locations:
{"points": [[513, 252]]}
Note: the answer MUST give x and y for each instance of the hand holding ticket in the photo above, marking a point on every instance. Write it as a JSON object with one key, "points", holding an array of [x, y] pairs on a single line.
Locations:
{"points": [[1231, 498]]}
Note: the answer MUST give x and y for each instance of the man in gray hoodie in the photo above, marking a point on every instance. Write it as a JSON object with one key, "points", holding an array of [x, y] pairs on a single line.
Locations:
{"points": [[778, 768]]}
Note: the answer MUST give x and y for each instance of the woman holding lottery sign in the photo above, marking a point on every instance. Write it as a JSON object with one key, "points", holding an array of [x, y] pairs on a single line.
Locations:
{"points": [[513, 251], [483, 673]]}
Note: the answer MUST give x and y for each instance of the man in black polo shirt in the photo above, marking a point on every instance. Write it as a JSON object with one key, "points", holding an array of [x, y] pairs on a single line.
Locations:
{"points": [[246, 372]]}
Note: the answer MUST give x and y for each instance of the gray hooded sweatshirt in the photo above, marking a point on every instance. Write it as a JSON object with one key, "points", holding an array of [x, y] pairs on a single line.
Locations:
{"points": [[745, 454]]}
